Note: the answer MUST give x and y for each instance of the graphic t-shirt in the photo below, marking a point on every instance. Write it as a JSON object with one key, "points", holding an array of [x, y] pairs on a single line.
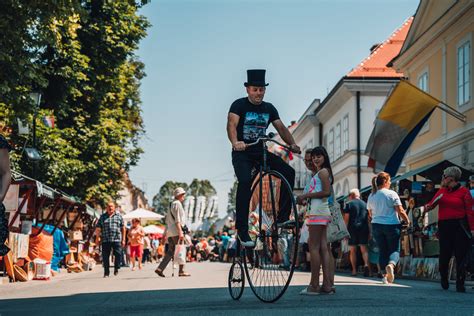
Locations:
{"points": [[254, 119]]}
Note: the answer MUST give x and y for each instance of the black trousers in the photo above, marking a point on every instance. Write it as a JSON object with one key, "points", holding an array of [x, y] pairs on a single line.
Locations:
{"points": [[244, 162], [453, 239], [107, 247]]}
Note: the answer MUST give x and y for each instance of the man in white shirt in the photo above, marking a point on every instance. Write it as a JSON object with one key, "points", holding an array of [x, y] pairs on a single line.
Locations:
{"points": [[175, 220]]}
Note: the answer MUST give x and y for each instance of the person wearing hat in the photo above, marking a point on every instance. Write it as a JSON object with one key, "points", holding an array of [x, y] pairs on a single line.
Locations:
{"points": [[175, 220], [248, 119]]}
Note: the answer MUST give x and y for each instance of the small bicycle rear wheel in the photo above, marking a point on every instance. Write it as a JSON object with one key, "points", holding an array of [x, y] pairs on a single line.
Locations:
{"points": [[273, 259], [236, 280]]}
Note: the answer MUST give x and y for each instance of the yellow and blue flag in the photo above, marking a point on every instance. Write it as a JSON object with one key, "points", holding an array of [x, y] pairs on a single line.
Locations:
{"points": [[399, 121]]}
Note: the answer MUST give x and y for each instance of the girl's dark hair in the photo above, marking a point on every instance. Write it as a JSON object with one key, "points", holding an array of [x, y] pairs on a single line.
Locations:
{"points": [[321, 151]]}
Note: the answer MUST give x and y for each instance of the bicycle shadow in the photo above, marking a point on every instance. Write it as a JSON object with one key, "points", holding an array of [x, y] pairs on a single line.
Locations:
{"points": [[350, 299]]}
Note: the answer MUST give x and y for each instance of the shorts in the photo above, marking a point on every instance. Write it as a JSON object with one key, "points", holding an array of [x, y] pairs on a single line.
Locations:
{"points": [[136, 251], [313, 220], [358, 237]]}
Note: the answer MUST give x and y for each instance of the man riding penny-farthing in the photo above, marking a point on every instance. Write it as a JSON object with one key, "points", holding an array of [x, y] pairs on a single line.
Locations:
{"points": [[248, 120]]}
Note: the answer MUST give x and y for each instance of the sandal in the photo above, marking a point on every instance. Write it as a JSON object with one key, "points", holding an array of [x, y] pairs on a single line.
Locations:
{"points": [[309, 293], [184, 274], [160, 273], [329, 292]]}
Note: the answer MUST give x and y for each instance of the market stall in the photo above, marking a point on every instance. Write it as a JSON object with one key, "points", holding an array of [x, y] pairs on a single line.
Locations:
{"points": [[419, 242], [42, 222]]}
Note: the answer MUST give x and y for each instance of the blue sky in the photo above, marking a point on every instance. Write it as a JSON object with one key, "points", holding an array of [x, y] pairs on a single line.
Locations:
{"points": [[196, 55]]}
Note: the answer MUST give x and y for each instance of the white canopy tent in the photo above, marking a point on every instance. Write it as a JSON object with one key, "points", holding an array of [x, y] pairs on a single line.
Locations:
{"points": [[153, 229], [142, 214]]}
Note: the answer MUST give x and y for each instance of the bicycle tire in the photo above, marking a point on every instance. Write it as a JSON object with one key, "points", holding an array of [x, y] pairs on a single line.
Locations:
{"points": [[236, 280], [268, 280]]}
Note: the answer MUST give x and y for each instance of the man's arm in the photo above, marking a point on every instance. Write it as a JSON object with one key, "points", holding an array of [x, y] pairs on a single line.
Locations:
{"points": [[97, 235], [286, 136], [124, 232], [5, 173], [232, 122]]}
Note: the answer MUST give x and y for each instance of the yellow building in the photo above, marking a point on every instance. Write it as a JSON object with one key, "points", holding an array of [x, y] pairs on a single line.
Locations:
{"points": [[437, 57]]}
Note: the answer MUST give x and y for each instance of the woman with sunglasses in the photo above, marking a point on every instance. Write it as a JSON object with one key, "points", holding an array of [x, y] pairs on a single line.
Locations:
{"points": [[455, 225]]}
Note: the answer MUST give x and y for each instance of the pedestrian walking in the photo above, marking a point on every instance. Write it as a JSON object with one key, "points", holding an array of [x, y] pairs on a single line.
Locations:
{"points": [[136, 235], [110, 232], [455, 225], [357, 222], [175, 220], [317, 218], [248, 120], [5, 179], [385, 208], [146, 249]]}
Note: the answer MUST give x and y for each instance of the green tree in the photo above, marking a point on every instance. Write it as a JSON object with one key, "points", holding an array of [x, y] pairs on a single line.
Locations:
{"points": [[80, 55], [164, 197]]}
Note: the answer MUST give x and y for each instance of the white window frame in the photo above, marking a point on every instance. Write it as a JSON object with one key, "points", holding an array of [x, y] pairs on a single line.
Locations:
{"points": [[467, 104], [337, 141], [424, 85], [345, 133], [330, 147]]}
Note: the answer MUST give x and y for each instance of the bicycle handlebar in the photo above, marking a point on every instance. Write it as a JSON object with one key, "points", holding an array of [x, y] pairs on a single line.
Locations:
{"points": [[268, 138]]}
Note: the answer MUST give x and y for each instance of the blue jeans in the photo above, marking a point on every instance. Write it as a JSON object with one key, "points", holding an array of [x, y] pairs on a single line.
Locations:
{"points": [[387, 238]]}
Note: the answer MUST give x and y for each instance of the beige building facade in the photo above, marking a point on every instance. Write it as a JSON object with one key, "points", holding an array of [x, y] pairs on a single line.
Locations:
{"points": [[437, 57]]}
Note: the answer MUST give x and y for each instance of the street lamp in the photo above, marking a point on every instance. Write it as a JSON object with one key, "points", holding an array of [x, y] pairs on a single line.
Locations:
{"points": [[32, 153]]}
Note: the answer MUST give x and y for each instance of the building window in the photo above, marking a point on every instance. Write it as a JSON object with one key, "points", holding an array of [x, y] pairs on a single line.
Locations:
{"points": [[345, 133], [337, 144], [423, 84], [423, 81], [464, 72], [325, 141], [330, 147]]}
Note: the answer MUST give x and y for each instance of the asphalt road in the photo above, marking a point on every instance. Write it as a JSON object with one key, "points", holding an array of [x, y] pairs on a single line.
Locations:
{"points": [[205, 292]]}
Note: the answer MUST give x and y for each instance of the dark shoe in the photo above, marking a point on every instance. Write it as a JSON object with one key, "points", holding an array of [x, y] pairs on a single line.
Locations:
{"points": [[160, 273], [460, 285], [115, 272], [444, 283], [366, 272], [106, 275], [245, 240]]}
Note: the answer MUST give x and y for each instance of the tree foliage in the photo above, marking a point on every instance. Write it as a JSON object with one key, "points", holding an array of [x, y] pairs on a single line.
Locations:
{"points": [[164, 197], [80, 56]]}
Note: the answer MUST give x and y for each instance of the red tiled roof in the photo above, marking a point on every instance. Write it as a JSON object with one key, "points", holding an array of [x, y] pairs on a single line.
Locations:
{"points": [[375, 65]]}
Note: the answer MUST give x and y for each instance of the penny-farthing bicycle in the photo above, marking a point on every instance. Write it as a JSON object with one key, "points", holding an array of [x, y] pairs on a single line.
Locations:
{"points": [[270, 265]]}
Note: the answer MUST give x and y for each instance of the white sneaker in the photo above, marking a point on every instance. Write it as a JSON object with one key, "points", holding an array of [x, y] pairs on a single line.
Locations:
{"points": [[384, 280], [390, 273]]}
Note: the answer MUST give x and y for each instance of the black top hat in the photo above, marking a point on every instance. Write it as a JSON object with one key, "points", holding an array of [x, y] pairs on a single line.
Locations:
{"points": [[256, 78]]}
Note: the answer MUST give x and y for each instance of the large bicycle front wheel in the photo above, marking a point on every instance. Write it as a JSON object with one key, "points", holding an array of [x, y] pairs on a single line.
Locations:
{"points": [[270, 266]]}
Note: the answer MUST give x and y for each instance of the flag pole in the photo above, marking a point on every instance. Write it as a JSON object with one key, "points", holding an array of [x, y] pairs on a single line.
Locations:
{"points": [[452, 112]]}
